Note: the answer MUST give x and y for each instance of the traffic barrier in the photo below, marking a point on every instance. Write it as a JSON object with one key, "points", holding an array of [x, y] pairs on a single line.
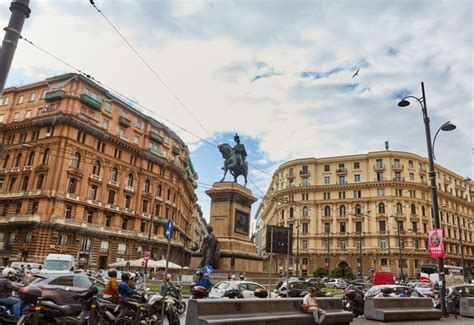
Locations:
{"points": [[466, 306], [278, 311], [396, 309]]}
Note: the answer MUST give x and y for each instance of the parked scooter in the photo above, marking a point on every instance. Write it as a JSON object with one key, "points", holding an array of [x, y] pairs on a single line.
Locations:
{"points": [[198, 292], [174, 293]]}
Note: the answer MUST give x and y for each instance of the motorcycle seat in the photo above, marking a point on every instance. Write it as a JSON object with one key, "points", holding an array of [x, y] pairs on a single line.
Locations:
{"points": [[64, 309]]}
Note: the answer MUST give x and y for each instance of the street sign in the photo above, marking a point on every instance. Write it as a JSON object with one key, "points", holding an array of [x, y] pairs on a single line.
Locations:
{"points": [[146, 255], [280, 240], [207, 269], [169, 230]]}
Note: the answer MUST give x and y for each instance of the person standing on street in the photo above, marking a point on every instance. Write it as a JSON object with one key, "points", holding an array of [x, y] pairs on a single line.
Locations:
{"points": [[310, 305], [6, 288]]}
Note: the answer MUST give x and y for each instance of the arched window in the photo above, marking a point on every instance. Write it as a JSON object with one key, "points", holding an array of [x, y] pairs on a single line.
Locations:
{"points": [[130, 180], [292, 213], [399, 208], [147, 186], [46, 156], [358, 210], [76, 159], [282, 214], [18, 160], [305, 211], [168, 195], [423, 212], [96, 168], [5, 162], [128, 201], [327, 211], [113, 174], [381, 208], [413, 209], [342, 210], [159, 190], [31, 159]]}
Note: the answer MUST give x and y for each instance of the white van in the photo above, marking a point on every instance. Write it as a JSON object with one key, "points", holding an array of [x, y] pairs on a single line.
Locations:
{"points": [[59, 263]]}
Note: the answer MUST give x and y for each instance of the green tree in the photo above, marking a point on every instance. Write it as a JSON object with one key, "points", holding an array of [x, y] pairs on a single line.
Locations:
{"points": [[342, 273], [320, 272]]}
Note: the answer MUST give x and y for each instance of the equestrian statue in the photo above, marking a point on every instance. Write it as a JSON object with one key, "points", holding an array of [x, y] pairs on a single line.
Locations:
{"points": [[234, 159]]}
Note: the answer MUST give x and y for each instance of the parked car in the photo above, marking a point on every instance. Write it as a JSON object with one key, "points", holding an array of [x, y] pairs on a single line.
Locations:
{"points": [[465, 290], [299, 289], [397, 291], [425, 288], [336, 283], [59, 288], [247, 289]]}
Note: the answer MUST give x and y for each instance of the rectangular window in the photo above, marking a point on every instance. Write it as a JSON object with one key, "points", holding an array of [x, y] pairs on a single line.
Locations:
{"points": [[18, 208], [398, 192], [414, 226], [16, 116], [122, 248], [383, 261], [111, 197], [20, 99], [291, 172], [121, 132], [358, 226], [357, 194], [400, 225], [305, 244], [383, 244], [4, 101], [34, 135], [108, 220], [380, 176], [118, 153], [356, 178], [342, 195], [86, 245], [34, 207], [305, 182], [356, 165], [104, 246], [90, 216], [28, 114], [398, 176], [410, 163], [145, 206], [342, 179], [327, 180], [327, 228], [2, 118], [305, 228], [382, 226], [380, 192], [92, 192], [327, 168], [32, 97], [105, 124], [139, 124], [343, 244], [40, 183], [68, 212], [412, 176], [379, 163], [108, 107], [327, 195], [342, 227], [136, 139]]}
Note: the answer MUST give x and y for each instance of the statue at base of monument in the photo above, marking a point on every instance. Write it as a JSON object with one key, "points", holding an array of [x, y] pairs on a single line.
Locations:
{"points": [[209, 251], [235, 159]]}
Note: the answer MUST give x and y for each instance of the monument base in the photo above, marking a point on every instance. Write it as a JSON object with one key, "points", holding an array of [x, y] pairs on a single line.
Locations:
{"points": [[233, 262]]}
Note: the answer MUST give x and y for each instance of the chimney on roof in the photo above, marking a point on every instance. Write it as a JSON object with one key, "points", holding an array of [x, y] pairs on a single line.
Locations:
{"points": [[386, 145]]}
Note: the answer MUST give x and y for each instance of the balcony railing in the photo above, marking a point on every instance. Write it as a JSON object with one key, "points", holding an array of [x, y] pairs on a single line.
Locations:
{"points": [[157, 152], [304, 172], [341, 170], [124, 121], [379, 167], [95, 178], [155, 137], [397, 166]]}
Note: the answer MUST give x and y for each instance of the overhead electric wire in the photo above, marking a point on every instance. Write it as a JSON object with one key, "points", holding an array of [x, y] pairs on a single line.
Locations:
{"points": [[160, 79]]}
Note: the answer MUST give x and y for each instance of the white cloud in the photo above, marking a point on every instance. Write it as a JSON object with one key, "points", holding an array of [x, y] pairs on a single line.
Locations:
{"points": [[208, 54]]}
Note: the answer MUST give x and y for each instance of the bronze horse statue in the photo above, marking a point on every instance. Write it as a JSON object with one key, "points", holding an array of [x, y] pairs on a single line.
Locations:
{"points": [[231, 163]]}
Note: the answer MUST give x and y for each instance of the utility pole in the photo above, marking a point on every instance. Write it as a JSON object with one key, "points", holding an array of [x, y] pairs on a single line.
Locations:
{"points": [[360, 254], [20, 11], [389, 251], [297, 248], [400, 252]]}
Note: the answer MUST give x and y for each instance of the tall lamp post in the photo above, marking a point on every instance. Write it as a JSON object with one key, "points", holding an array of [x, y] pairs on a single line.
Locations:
{"points": [[432, 175]]}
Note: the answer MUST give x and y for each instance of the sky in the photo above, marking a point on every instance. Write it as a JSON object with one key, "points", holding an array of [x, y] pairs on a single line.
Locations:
{"points": [[279, 73]]}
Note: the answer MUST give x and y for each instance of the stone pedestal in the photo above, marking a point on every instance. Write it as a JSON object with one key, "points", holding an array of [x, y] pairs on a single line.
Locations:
{"points": [[231, 206]]}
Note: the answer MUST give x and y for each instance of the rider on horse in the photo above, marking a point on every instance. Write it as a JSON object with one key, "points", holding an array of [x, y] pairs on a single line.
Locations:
{"points": [[239, 151]]}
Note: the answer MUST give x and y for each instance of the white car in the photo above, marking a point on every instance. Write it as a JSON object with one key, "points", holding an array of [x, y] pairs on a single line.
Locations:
{"points": [[337, 283], [247, 288], [424, 288]]}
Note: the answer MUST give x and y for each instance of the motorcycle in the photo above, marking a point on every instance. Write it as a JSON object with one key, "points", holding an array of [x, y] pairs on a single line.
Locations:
{"points": [[175, 293], [353, 301], [6, 317], [198, 292], [67, 315]]}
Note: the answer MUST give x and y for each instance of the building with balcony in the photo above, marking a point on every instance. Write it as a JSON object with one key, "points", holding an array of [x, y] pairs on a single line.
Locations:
{"points": [[198, 228], [84, 173], [348, 210]]}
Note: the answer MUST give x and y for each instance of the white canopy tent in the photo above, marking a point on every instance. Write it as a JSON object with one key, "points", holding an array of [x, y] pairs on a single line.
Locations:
{"points": [[141, 263]]}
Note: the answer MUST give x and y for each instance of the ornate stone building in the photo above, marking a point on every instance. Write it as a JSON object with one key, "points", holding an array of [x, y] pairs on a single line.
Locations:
{"points": [[84, 173], [198, 227], [347, 210]]}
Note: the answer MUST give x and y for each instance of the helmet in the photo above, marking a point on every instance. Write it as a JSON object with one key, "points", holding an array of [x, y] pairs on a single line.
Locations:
{"points": [[132, 276], [199, 272], [125, 277], [112, 273], [8, 271]]}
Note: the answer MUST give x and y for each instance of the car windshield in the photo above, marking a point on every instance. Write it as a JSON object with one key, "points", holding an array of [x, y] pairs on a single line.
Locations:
{"points": [[222, 285], [423, 285], [467, 291], [56, 265]]}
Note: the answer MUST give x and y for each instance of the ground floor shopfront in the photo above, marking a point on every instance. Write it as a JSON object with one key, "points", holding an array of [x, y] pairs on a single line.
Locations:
{"points": [[32, 241]]}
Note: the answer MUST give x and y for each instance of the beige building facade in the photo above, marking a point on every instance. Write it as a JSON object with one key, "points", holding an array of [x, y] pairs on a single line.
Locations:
{"points": [[368, 211], [84, 173]]}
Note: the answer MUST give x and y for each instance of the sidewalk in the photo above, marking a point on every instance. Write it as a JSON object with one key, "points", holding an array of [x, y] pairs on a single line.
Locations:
{"points": [[443, 321]]}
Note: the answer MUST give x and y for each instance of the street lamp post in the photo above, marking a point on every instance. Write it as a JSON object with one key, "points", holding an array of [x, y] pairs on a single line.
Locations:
{"points": [[297, 247], [432, 175], [400, 264]]}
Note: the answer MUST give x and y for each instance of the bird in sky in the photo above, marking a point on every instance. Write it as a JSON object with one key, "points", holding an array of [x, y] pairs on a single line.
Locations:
{"points": [[356, 73]]}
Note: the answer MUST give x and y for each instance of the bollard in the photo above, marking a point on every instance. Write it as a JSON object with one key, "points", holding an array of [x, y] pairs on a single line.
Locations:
{"points": [[37, 313], [93, 315]]}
